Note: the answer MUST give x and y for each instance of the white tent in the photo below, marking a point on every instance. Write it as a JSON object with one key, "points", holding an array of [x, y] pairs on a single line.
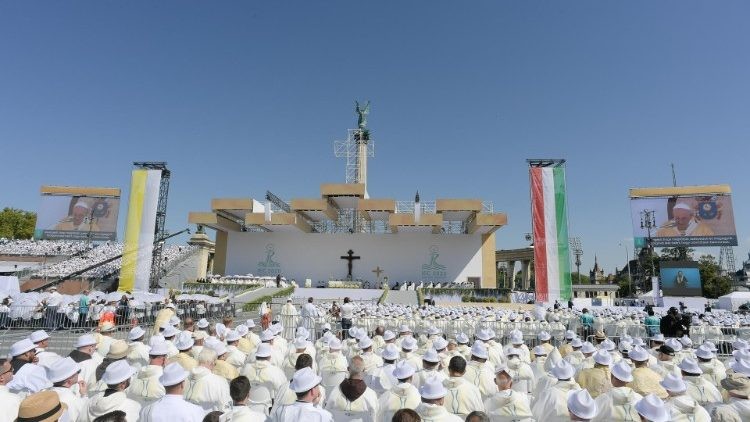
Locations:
{"points": [[732, 301]]}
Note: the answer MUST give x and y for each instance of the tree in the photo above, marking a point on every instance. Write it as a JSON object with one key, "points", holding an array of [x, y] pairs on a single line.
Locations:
{"points": [[714, 284], [677, 254], [577, 278], [17, 224]]}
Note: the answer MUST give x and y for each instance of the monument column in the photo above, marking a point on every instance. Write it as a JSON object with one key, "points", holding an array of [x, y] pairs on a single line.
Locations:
{"points": [[205, 247], [510, 274], [525, 276]]}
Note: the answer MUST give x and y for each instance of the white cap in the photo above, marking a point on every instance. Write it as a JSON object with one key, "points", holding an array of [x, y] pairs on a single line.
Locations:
{"points": [[266, 335], [431, 356], [710, 346], [483, 334], [155, 339], [136, 333], [232, 336], [581, 404], [690, 366], [159, 348], [479, 350], [513, 351], [603, 358], [170, 331], [742, 366], [588, 348], [403, 370], [540, 351], [174, 321], [326, 326], [388, 335], [576, 343], [638, 354], [264, 350], [682, 206], [20, 347], [432, 389], [622, 371], [409, 343], [624, 346], [203, 323], [704, 352], [300, 343], [404, 329], [62, 369], [117, 372], [173, 374], [652, 408], [674, 344], [334, 343], [658, 337], [462, 338], [607, 345], [85, 340], [38, 336], [249, 323], [440, 343], [673, 383], [570, 335], [686, 342], [304, 380], [365, 342], [432, 330], [516, 337], [242, 330], [184, 341], [544, 336], [563, 370], [390, 352], [740, 344]]}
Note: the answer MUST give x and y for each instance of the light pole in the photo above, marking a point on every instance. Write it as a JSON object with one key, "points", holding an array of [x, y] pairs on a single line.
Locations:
{"points": [[630, 276], [575, 244], [648, 221]]}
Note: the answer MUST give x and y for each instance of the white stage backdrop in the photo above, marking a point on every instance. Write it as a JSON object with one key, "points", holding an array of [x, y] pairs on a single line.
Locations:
{"points": [[401, 256]]}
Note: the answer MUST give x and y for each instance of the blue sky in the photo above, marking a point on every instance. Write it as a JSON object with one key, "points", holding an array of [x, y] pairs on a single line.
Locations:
{"points": [[240, 97]]}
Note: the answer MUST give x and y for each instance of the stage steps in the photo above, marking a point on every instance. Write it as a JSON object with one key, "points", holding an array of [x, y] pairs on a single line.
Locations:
{"points": [[405, 297]]}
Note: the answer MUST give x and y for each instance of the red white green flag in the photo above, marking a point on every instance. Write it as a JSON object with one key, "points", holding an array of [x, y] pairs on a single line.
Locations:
{"points": [[550, 224]]}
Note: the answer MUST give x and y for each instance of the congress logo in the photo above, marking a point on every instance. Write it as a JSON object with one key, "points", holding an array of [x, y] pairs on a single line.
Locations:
{"points": [[269, 267], [433, 271]]}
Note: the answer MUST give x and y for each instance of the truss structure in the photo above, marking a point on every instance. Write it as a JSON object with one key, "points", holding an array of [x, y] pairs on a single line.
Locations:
{"points": [[350, 150]]}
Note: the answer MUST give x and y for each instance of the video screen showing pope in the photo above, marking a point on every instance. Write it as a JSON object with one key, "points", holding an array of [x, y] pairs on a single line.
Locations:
{"points": [[703, 218], [78, 214]]}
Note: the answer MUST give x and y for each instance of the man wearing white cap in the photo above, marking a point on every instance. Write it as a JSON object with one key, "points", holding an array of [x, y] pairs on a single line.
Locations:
{"points": [[184, 345], [9, 401], [352, 399], [145, 387], [575, 356], [462, 345], [700, 389], [277, 356], [137, 350], [251, 337], [40, 339], [713, 370], [262, 372], [22, 352], [371, 360], [199, 340], [290, 362], [381, 379], [680, 405], [206, 389], [235, 356], [596, 380], [551, 405], [333, 365], [463, 397], [516, 341], [617, 404], [645, 380], [581, 406], [85, 356], [408, 351], [404, 395], [479, 372], [431, 409], [169, 334], [507, 405], [117, 379], [172, 407], [306, 386], [737, 407], [567, 347], [652, 409], [683, 223], [521, 372], [289, 317], [64, 377]]}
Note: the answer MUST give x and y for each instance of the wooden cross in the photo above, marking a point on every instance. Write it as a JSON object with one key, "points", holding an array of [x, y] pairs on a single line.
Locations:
{"points": [[350, 257]]}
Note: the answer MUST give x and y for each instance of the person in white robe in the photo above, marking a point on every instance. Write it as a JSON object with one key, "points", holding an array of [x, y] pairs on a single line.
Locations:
{"points": [[63, 374], [618, 404], [44, 357], [9, 401], [403, 395], [506, 404], [137, 350], [431, 409], [699, 388], [430, 368], [333, 366], [206, 389], [480, 372], [681, 406], [240, 410], [352, 399], [306, 386], [463, 397], [172, 407], [551, 405], [263, 372], [289, 318], [145, 387], [117, 379]]}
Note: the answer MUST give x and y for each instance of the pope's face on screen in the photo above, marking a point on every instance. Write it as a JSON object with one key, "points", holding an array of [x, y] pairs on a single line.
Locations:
{"points": [[79, 213], [682, 218]]}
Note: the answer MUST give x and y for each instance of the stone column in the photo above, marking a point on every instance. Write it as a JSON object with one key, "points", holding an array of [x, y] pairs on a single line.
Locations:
{"points": [[510, 274], [205, 247], [525, 274]]}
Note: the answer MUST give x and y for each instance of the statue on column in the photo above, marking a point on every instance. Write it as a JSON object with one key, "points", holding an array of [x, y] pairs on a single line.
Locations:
{"points": [[362, 113]]}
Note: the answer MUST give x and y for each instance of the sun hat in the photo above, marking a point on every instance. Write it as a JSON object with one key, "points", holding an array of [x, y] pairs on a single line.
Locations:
{"points": [[673, 383], [603, 358], [304, 380], [479, 350], [173, 374], [388, 335], [44, 406], [638, 354], [587, 348], [203, 323], [462, 338], [159, 348], [540, 351], [690, 366], [38, 336], [440, 343], [62, 369], [544, 336], [622, 371], [704, 352], [432, 389], [118, 350], [581, 404], [409, 343], [136, 333], [22, 346], [403, 370], [264, 350], [431, 356], [390, 352], [652, 408], [563, 370], [184, 341], [85, 340], [117, 372]]}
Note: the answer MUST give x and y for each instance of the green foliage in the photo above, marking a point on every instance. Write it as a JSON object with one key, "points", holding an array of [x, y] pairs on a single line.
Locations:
{"points": [[255, 304], [476, 299], [714, 284], [17, 224], [577, 278], [677, 254]]}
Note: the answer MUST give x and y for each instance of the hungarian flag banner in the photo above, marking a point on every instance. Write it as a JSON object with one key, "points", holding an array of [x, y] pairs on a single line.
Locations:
{"points": [[549, 218]]}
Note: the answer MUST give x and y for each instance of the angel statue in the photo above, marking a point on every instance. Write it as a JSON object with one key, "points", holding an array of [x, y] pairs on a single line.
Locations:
{"points": [[362, 113]]}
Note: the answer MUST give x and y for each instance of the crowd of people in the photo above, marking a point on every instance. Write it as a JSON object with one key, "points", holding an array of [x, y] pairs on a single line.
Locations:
{"points": [[406, 363], [31, 247]]}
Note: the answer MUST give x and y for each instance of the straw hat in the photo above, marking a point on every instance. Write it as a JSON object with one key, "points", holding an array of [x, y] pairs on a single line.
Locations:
{"points": [[44, 406], [118, 350]]}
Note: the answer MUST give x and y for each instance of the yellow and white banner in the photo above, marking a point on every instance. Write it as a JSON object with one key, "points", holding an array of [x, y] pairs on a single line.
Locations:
{"points": [[139, 231]]}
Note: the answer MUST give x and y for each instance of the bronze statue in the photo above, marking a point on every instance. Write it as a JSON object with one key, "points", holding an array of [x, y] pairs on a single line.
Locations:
{"points": [[362, 113]]}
